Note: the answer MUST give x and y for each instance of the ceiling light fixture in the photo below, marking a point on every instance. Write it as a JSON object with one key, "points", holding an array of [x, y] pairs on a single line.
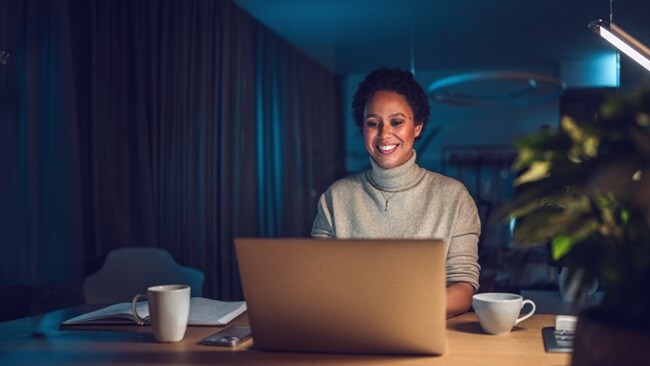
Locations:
{"points": [[496, 87], [623, 41]]}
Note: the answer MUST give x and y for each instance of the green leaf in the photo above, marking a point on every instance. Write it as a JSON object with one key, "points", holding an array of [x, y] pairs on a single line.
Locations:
{"points": [[561, 245], [538, 170]]}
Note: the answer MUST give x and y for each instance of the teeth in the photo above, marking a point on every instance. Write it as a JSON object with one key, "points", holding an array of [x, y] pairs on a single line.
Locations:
{"points": [[386, 147]]}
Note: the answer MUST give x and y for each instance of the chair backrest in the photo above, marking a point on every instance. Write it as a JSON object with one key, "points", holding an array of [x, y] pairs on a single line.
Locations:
{"points": [[129, 271]]}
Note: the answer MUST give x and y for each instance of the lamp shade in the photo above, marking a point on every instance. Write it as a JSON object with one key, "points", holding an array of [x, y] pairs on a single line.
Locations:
{"points": [[623, 41]]}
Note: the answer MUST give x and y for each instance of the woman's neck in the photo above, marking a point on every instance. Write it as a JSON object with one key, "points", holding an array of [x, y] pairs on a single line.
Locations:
{"points": [[394, 178]]}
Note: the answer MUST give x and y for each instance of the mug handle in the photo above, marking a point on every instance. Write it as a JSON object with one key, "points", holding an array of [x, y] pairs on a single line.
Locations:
{"points": [[531, 312], [134, 310]]}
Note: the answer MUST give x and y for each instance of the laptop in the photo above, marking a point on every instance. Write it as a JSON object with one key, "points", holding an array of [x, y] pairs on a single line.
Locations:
{"points": [[345, 295]]}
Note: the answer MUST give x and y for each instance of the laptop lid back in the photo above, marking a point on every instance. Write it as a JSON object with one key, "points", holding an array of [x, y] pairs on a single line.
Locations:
{"points": [[345, 295]]}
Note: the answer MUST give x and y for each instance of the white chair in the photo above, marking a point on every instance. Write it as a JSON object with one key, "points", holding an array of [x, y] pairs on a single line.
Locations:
{"points": [[129, 271]]}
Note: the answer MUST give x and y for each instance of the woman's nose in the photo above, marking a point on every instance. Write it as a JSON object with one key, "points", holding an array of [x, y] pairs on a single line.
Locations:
{"points": [[385, 130]]}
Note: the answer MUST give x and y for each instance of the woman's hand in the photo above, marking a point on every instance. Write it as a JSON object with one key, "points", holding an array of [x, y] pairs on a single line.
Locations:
{"points": [[459, 298]]}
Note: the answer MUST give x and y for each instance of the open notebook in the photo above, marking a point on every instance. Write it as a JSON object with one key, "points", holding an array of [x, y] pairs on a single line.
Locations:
{"points": [[345, 296], [203, 311]]}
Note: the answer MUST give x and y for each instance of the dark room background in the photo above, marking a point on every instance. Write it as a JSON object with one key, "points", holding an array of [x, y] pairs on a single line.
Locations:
{"points": [[164, 123]]}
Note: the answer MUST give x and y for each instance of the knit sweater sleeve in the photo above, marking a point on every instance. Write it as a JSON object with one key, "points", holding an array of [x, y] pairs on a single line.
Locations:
{"points": [[323, 226], [462, 256]]}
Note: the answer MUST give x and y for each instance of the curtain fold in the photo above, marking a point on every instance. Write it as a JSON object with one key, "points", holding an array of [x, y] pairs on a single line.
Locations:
{"points": [[176, 124], [40, 204]]}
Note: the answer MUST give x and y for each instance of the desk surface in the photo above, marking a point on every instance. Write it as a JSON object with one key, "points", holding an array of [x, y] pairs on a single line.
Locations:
{"points": [[38, 340]]}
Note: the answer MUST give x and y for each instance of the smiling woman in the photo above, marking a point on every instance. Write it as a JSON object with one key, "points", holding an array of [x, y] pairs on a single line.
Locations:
{"points": [[396, 198]]}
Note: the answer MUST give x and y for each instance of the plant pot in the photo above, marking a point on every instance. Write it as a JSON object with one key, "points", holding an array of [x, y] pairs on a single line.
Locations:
{"points": [[601, 340]]}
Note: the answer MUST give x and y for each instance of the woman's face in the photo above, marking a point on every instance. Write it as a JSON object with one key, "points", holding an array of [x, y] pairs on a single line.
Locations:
{"points": [[389, 129]]}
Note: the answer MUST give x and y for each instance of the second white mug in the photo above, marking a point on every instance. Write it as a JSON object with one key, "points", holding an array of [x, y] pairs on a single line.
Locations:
{"points": [[498, 312], [169, 309]]}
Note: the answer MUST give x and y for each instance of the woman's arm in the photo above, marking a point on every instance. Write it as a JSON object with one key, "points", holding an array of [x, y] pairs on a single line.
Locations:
{"points": [[322, 226], [459, 298]]}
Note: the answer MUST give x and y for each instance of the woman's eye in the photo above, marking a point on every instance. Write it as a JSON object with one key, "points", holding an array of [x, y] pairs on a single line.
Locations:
{"points": [[371, 124], [396, 123]]}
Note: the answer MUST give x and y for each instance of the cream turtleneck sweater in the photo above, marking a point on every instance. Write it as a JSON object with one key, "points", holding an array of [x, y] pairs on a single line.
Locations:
{"points": [[405, 202]]}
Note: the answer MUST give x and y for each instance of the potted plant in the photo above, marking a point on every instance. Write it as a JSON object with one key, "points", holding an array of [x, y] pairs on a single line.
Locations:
{"points": [[584, 190]]}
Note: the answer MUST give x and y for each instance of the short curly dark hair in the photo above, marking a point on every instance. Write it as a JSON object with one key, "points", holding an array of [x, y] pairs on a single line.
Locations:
{"points": [[393, 80]]}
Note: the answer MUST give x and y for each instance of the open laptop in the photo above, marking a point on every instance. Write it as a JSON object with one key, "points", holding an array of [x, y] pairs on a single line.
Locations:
{"points": [[345, 295]]}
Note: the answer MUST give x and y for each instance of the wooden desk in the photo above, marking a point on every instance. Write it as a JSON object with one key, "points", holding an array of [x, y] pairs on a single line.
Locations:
{"points": [[38, 340]]}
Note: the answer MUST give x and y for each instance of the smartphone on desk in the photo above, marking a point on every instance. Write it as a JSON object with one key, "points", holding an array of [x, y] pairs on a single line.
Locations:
{"points": [[231, 336]]}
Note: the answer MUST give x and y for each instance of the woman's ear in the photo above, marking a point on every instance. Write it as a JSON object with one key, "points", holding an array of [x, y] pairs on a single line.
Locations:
{"points": [[418, 129]]}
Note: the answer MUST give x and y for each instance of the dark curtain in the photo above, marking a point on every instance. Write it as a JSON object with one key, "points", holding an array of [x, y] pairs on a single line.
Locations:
{"points": [[41, 210], [176, 124]]}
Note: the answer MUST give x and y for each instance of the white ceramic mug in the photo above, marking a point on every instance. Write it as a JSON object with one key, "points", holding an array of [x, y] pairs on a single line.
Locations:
{"points": [[169, 309], [499, 312]]}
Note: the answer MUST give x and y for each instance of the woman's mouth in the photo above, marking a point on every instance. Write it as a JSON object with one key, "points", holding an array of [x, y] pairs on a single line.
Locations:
{"points": [[386, 149]]}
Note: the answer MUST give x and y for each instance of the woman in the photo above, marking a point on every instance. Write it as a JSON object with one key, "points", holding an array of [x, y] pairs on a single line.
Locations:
{"points": [[396, 198]]}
